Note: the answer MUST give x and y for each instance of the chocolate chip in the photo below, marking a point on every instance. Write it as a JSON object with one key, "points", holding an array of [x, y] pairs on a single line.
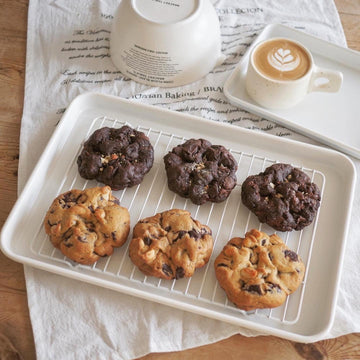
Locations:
{"points": [[147, 241], [205, 231], [113, 235], [222, 265], [167, 270], [50, 224], [82, 239], [67, 235], [90, 226], [91, 208], [64, 204], [254, 288], [180, 273], [181, 234], [271, 287], [291, 255], [161, 221], [263, 242], [237, 246], [194, 234], [168, 228], [69, 245], [67, 197], [94, 252], [116, 201], [79, 197]]}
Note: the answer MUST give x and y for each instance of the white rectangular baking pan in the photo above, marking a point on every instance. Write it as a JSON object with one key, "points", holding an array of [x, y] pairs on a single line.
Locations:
{"points": [[331, 118], [308, 313]]}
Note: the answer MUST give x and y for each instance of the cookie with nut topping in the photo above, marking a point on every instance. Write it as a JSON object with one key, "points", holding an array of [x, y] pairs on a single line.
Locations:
{"points": [[258, 271], [201, 171], [119, 158], [87, 224], [282, 196], [170, 245]]}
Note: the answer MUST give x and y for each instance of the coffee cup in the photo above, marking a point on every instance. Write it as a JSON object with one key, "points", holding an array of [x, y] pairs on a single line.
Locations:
{"points": [[281, 72]]}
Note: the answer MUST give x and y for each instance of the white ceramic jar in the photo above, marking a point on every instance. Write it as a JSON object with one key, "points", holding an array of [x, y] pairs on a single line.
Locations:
{"points": [[166, 43]]}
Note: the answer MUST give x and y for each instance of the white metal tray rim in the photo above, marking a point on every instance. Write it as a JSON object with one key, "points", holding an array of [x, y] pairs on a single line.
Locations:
{"points": [[67, 272]]}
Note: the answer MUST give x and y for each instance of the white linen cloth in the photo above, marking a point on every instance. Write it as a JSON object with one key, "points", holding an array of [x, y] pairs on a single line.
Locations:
{"points": [[68, 54]]}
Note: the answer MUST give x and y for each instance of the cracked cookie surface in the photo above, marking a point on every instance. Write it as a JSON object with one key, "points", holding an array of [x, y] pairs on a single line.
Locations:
{"points": [[201, 171], [87, 224], [282, 196], [119, 158], [170, 245], [258, 271]]}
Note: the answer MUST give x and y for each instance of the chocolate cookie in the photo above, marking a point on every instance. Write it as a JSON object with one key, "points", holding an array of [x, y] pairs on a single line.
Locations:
{"points": [[258, 271], [170, 245], [119, 158], [88, 224], [282, 196], [201, 171]]}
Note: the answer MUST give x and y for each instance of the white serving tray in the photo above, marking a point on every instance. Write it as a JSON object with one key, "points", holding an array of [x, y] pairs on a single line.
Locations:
{"points": [[331, 118], [308, 313]]}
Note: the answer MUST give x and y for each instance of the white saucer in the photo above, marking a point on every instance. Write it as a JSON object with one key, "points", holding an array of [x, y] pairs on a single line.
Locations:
{"points": [[331, 118]]}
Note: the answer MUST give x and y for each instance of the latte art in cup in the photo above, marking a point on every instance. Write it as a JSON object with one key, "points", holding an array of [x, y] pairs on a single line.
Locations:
{"points": [[281, 72], [281, 59]]}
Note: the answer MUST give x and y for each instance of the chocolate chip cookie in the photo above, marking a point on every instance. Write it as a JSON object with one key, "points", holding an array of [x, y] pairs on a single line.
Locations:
{"points": [[170, 245], [201, 171], [87, 224], [282, 196], [258, 271], [119, 158]]}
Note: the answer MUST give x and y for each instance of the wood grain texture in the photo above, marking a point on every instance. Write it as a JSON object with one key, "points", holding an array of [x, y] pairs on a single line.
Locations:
{"points": [[268, 348], [16, 338]]}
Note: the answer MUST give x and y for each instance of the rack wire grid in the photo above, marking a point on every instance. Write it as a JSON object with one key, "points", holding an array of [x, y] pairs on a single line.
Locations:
{"points": [[227, 219]]}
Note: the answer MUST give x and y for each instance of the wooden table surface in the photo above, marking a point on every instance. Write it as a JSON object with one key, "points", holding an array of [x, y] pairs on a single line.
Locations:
{"points": [[16, 339]]}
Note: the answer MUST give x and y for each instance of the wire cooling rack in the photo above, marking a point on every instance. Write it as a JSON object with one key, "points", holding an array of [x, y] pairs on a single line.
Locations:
{"points": [[227, 219]]}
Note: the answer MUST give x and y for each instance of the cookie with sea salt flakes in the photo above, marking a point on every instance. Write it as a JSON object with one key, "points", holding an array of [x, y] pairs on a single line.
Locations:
{"points": [[119, 157], [201, 171], [87, 224], [282, 196], [258, 271], [170, 245]]}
